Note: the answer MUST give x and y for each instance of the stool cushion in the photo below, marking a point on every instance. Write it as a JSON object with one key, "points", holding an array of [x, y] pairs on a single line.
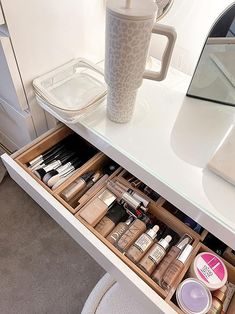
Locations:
{"points": [[108, 297]]}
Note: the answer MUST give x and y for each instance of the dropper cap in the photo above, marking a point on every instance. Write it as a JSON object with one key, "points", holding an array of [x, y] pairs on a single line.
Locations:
{"points": [[153, 232], [183, 242], [165, 242]]}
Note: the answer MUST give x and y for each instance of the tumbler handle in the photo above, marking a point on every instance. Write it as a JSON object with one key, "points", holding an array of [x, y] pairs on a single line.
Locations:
{"points": [[171, 35]]}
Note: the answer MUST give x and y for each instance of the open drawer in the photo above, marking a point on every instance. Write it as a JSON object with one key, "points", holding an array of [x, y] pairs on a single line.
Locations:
{"points": [[80, 233], [135, 282]]}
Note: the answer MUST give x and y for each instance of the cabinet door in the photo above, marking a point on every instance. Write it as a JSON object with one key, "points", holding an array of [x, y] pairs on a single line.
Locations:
{"points": [[11, 88], [16, 129]]}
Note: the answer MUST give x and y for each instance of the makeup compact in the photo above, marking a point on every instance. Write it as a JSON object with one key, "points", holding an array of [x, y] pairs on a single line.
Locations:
{"points": [[193, 297]]}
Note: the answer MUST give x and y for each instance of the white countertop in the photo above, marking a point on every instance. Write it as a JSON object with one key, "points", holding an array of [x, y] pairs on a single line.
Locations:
{"points": [[168, 144]]}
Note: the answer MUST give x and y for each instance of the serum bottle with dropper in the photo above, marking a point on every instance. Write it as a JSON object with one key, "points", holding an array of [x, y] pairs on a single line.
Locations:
{"points": [[154, 256], [142, 244], [170, 257]]}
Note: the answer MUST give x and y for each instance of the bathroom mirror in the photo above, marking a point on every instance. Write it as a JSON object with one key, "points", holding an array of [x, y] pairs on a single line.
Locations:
{"points": [[214, 77]]}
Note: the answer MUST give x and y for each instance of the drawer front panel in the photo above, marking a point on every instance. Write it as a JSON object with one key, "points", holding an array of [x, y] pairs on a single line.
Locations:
{"points": [[99, 251]]}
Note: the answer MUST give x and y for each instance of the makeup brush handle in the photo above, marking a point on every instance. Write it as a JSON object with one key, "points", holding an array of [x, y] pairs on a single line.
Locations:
{"points": [[53, 165]]}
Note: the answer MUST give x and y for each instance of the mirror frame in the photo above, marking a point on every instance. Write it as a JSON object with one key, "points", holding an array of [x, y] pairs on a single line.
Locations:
{"points": [[203, 98]]}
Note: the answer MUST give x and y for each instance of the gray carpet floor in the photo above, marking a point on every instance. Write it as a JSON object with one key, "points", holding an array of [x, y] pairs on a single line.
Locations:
{"points": [[42, 270]]}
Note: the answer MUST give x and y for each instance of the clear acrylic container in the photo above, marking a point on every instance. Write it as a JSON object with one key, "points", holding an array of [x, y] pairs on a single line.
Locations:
{"points": [[70, 90]]}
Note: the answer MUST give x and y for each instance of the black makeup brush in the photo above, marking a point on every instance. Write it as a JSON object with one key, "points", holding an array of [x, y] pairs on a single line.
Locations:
{"points": [[61, 160], [42, 157], [48, 158]]}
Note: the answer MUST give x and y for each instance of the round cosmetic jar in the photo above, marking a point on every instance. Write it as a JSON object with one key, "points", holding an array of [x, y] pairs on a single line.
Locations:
{"points": [[193, 297], [209, 269]]}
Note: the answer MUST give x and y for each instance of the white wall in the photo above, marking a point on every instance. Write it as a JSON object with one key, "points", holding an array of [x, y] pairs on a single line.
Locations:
{"points": [[192, 20]]}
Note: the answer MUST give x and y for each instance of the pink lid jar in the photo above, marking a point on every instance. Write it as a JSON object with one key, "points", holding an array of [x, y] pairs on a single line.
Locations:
{"points": [[209, 269]]}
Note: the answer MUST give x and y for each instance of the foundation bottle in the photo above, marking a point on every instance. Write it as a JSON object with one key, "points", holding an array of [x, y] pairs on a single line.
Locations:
{"points": [[118, 231], [218, 298], [154, 256], [109, 221], [131, 235], [176, 267], [142, 244], [170, 257], [76, 186]]}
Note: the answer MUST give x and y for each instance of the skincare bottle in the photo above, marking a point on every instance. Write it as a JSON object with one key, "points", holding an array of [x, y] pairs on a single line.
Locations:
{"points": [[131, 235], [109, 221], [170, 257], [76, 186], [95, 210], [118, 231], [142, 244], [218, 297], [176, 267], [154, 256]]}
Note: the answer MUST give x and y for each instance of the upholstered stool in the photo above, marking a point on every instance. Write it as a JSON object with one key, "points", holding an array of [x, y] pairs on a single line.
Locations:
{"points": [[108, 297]]}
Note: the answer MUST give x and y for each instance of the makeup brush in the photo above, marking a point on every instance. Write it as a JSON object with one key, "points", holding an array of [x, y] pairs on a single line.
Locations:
{"points": [[54, 175], [49, 158], [61, 160], [46, 154]]}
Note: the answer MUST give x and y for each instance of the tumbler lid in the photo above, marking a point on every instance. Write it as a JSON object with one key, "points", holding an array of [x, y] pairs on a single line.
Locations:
{"points": [[139, 9]]}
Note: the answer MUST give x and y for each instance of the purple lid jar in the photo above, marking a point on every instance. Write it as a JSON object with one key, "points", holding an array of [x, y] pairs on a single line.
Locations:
{"points": [[193, 297]]}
